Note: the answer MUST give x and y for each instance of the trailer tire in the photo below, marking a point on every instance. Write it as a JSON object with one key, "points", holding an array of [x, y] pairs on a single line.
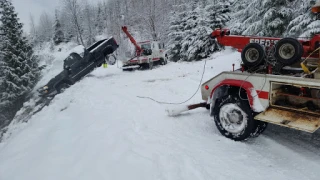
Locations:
{"points": [[233, 117], [288, 51], [253, 55], [259, 128]]}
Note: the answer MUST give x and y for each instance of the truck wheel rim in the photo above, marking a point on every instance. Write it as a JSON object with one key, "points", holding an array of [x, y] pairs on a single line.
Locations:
{"points": [[232, 118], [287, 51], [252, 55]]}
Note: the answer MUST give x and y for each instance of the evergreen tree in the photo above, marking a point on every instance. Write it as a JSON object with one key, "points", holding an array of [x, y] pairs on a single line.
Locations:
{"points": [[263, 18], [99, 21], [88, 24], [19, 67], [176, 35], [58, 36], [218, 14], [190, 30], [277, 18], [305, 23]]}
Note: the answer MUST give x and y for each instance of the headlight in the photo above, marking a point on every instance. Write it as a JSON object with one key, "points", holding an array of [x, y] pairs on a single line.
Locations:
{"points": [[45, 87]]}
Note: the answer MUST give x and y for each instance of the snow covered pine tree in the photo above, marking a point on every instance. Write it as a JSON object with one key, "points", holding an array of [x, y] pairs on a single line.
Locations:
{"points": [[305, 24], [58, 36], [262, 18], [190, 30], [19, 69], [176, 29]]}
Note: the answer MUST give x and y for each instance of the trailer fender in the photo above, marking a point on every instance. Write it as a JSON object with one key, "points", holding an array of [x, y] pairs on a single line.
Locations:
{"points": [[229, 86]]}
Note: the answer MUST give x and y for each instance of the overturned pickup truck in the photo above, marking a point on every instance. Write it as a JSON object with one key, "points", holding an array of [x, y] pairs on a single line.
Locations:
{"points": [[78, 65]]}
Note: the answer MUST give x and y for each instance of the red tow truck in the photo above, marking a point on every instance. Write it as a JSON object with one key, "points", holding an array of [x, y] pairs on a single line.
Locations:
{"points": [[147, 54], [242, 102]]}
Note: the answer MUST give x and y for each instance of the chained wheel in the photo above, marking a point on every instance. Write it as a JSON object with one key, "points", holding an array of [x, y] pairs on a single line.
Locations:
{"points": [[233, 117]]}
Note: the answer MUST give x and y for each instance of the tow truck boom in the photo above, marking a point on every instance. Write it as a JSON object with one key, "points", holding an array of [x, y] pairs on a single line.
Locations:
{"points": [[133, 41]]}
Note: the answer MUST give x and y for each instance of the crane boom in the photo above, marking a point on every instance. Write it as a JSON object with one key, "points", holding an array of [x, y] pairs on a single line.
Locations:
{"points": [[133, 41]]}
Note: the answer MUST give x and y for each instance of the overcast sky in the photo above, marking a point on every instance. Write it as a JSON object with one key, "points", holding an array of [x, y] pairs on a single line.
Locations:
{"points": [[35, 7]]}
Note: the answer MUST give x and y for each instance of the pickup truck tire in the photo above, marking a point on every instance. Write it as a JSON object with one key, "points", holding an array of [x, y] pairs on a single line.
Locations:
{"points": [[233, 117], [111, 59], [253, 55], [288, 51]]}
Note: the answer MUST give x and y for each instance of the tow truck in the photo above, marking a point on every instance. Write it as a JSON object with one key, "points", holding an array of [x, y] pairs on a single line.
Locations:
{"points": [[242, 102], [146, 55]]}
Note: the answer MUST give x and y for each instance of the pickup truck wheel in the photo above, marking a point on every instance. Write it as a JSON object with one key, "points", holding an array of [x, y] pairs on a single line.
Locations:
{"points": [[233, 118], [288, 51], [253, 55], [111, 59]]}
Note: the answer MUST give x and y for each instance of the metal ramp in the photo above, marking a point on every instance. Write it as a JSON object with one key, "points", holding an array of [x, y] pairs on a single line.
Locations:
{"points": [[292, 119]]}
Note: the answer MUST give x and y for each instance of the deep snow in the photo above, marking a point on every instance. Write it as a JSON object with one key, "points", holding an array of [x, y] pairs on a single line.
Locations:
{"points": [[99, 129]]}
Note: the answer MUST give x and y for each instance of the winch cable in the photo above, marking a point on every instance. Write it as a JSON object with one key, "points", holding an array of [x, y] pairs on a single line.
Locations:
{"points": [[178, 103], [195, 93]]}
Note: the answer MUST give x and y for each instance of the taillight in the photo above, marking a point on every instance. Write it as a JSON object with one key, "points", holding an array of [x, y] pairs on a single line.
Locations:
{"points": [[206, 87]]}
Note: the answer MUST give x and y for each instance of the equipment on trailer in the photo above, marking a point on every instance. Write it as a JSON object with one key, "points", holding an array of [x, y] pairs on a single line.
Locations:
{"points": [[147, 54], [281, 51]]}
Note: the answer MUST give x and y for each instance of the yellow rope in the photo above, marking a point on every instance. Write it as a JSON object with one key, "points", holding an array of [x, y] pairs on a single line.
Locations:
{"points": [[303, 66]]}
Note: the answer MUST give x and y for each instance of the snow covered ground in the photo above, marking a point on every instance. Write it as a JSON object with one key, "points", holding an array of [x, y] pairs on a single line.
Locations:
{"points": [[99, 129]]}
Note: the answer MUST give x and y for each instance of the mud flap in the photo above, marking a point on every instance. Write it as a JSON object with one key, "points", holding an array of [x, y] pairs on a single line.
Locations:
{"points": [[291, 119]]}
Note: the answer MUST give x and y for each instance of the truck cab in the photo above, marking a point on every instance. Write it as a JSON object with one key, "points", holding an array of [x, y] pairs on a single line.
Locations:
{"points": [[152, 53], [156, 49]]}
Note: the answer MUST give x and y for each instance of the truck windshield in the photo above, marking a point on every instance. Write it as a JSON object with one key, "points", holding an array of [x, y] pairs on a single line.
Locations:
{"points": [[72, 58], [145, 46]]}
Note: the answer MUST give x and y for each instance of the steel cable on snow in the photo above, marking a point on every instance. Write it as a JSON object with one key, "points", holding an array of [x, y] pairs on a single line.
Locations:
{"points": [[160, 102], [199, 86]]}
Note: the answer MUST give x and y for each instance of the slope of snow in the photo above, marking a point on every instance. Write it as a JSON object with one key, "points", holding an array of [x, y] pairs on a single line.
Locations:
{"points": [[99, 129]]}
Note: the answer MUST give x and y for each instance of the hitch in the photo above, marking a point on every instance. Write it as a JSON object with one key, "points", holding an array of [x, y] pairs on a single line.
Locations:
{"points": [[177, 111]]}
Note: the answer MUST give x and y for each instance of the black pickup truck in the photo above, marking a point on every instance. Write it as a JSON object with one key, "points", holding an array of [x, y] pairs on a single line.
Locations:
{"points": [[77, 66]]}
